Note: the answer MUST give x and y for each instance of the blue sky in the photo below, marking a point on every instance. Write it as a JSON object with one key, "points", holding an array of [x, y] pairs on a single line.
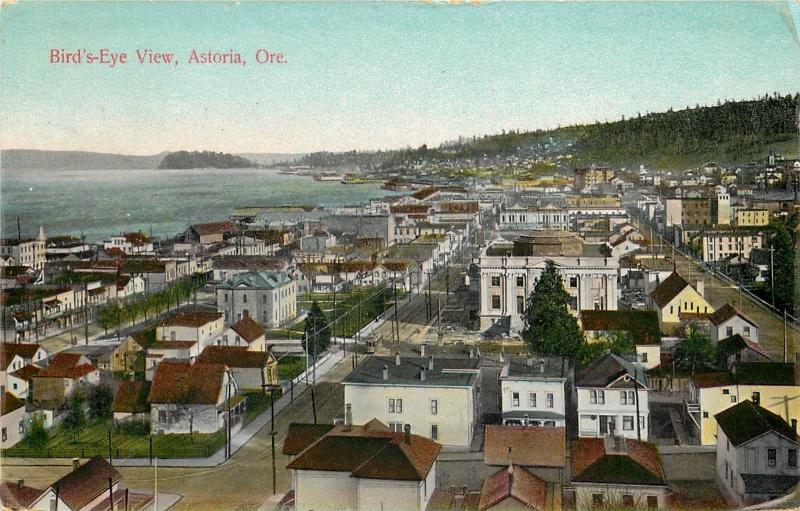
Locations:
{"points": [[374, 75]]}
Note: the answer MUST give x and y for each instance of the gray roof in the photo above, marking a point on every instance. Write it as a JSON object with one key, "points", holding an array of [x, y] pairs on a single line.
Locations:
{"points": [[517, 367], [768, 483], [533, 414], [447, 372], [607, 369], [263, 279]]}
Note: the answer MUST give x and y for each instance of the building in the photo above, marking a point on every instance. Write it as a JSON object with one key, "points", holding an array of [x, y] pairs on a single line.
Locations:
{"points": [[191, 326], [674, 296], [617, 472], [747, 217], [130, 243], [718, 245], [437, 397], [592, 176], [508, 274], [771, 385], [65, 373], [696, 211], [735, 349], [533, 391], [12, 419], [254, 370], [15, 357], [728, 321], [514, 488], [756, 454], [539, 449], [246, 332], [16, 495], [268, 296], [641, 327], [88, 487], [721, 206], [210, 233], [28, 252], [130, 401], [368, 468], [612, 393]]}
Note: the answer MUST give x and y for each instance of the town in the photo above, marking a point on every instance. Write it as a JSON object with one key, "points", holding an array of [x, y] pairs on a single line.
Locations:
{"points": [[593, 337]]}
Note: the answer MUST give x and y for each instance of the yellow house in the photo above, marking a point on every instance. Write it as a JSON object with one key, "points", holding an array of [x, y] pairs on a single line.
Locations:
{"points": [[771, 385], [675, 296], [751, 217]]}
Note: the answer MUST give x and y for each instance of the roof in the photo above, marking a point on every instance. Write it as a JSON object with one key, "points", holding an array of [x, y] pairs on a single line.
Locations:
{"points": [[669, 289], [725, 313], [26, 372], [85, 483], [771, 484], [66, 365], [9, 402], [598, 460], [172, 345], [747, 420], [529, 446], [708, 380], [192, 319], [16, 495], [24, 350], [531, 367], [301, 436], [370, 453], [234, 356], [764, 373], [131, 397], [607, 370], [517, 483], [642, 325], [738, 342], [261, 279], [248, 328], [460, 372], [181, 382], [213, 228]]}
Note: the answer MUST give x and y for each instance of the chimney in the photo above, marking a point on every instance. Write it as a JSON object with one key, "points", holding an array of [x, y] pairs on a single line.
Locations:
{"points": [[76, 462], [422, 351], [385, 372], [422, 375], [794, 426], [407, 434], [700, 286], [348, 416], [541, 366], [430, 363], [397, 359], [20, 484]]}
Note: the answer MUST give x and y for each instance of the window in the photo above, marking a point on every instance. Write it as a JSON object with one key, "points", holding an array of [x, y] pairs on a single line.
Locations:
{"points": [[728, 331], [652, 502], [162, 416], [733, 399], [226, 298], [244, 297], [391, 405], [172, 335], [627, 423], [495, 301], [601, 397], [623, 397], [399, 405], [549, 400], [396, 427], [22, 427], [644, 357], [434, 431], [705, 415], [434, 406], [593, 397], [532, 399], [264, 298], [520, 305], [756, 398], [520, 281], [4, 435], [772, 457], [746, 331], [573, 282], [515, 399], [641, 422], [597, 500], [495, 281], [627, 500], [792, 458]]}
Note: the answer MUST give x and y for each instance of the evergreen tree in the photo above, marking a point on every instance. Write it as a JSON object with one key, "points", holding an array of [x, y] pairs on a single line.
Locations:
{"points": [[35, 433], [549, 327], [75, 419], [695, 351], [100, 399], [781, 240], [316, 334]]}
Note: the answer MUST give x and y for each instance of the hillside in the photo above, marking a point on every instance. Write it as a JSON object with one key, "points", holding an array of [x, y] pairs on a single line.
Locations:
{"points": [[204, 159], [74, 160]]}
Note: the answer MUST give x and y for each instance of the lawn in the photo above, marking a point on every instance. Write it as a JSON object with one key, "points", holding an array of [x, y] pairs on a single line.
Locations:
{"points": [[289, 367], [258, 403]]}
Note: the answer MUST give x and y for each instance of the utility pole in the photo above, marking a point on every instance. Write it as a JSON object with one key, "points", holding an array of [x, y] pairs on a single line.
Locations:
{"points": [[785, 352], [772, 273]]}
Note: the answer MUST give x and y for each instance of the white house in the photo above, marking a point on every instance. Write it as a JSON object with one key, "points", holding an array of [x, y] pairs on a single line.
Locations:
{"points": [[728, 321], [85, 488], [12, 420], [439, 397], [368, 468], [533, 391], [268, 296], [612, 392], [245, 332], [756, 454], [130, 243]]}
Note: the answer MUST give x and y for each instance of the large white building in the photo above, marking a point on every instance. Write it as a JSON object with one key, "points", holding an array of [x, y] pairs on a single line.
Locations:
{"points": [[438, 397], [533, 391], [26, 252], [268, 296], [509, 271], [612, 392]]}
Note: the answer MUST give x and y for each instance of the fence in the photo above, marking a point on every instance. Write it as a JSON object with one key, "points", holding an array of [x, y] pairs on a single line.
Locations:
{"points": [[159, 451]]}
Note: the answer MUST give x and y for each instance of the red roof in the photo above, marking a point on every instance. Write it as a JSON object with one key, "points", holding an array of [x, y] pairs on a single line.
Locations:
{"points": [[16, 495], [192, 319], [86, 483], [725, 313], [27, 372], [248, 328], [181, 382], [24, 350], [707, 380], [131, 397], [214, 228], [66, 365], [517, 483], [419, 209], [529, 446], [234, 356], [597, 460]]}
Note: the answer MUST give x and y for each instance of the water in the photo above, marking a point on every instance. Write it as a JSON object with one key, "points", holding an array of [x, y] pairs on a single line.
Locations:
{"points": [[106, 202]]}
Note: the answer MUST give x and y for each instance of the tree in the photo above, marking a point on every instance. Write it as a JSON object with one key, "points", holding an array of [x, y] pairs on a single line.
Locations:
{"points": [[783, 270], [316, 334], [100, 399], [35, 433], [696, 350], [549, 327], [74, 419]]}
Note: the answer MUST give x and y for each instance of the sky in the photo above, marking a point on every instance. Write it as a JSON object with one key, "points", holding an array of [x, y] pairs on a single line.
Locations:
{"points": [[373, 75]]}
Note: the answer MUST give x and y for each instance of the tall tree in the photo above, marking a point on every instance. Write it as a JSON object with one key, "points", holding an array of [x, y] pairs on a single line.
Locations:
{"points": [[75, 419], [316, 334], [549, 327], [696, 350], [784, 255], [100, 399]]}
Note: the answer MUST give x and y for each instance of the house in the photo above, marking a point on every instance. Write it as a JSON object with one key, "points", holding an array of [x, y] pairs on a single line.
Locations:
{"points": [[612, 393], [728, 321], [253, 369], [673, 296], [268, 296], [771, 385], [12, 421], [15, 356], [16, 495], [533, 391], [736, 348], [514, 488], [19, 382], [130, 401], [130, 243], [128, 355], [28, 252], [717, 245], [438, 397], [88, 487], [66, 373], [191, 326], [640, 326], [192, 398], [756, 454], [210, 233], [617, 472], [539, 449], [367, 467], [246, 332]]}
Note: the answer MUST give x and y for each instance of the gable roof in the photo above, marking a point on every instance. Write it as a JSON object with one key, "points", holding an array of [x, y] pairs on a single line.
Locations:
{"points": [[26, 372], [608, 369], [86, 482], [515, 482], [737, 342], [261, 279], [234, 356], [16, 495], [725, 313], [248, 328], [194, 319], [669, 289], [642, 325], [370, 452], [66, 365], [764, 373], [131, 397], [214, 228], [530, 446], [182, 382], [300, 436], [747, 421], [9, 402], [24, 350], [596, 460]]}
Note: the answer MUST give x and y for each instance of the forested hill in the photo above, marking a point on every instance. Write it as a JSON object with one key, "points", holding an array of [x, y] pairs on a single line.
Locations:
{"points": [[204, 159], [731, 131]]}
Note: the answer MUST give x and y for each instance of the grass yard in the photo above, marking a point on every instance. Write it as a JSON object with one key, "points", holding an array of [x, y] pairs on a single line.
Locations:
{"points": [[258, 403], [289, 367]]}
